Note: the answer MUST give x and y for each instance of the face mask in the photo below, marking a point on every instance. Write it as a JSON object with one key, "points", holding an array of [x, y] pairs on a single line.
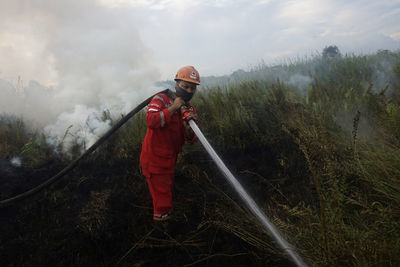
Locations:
{"points": [[182, 93]]}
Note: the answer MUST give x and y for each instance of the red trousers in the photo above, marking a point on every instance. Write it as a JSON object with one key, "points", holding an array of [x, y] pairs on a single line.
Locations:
{"points": [[160, 186]]}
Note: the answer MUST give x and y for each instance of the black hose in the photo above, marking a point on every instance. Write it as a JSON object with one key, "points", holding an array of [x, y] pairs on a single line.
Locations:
{"points": [[73, 164]]}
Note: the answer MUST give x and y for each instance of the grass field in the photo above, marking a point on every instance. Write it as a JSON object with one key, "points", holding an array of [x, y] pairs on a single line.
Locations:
{"points": [[316, 142]]}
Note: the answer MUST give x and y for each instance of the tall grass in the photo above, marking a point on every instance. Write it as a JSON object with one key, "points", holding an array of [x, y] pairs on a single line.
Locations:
{"points": [[323, 163], [354, 216], [19, 140]]}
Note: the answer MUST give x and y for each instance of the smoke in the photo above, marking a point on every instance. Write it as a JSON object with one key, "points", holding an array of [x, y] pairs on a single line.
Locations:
{"points": [[85, 127], [300, 81], [383, 75], [362, 128], [16, 161], [263, 73], [32, 102], [80, 59]]}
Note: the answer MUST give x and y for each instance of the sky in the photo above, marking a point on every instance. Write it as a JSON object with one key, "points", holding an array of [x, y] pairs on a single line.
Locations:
{"points": [[42, 39], [71, 59], [221, 36]]}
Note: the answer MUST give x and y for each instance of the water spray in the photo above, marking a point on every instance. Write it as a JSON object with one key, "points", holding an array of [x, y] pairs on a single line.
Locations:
{"points": [[238, 187], [247, 198]]}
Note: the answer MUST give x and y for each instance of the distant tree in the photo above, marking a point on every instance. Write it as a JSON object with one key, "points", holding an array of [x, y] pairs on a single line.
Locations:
{"points": [[383, 52], [238, 73], [331, 51]]}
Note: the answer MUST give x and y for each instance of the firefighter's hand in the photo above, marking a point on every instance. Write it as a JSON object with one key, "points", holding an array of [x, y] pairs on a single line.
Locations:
{"points": [[178, 102], [187, 114]]}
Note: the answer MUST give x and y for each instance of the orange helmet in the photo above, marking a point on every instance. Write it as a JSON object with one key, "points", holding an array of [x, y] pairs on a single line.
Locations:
{"points": [[188, 74]]}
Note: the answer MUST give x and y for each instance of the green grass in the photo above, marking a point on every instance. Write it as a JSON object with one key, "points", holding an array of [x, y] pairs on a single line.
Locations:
{"points": [[322, 163]]}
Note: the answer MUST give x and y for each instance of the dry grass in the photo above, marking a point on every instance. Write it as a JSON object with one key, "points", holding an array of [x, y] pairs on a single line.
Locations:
{"points": [[322, 164]]}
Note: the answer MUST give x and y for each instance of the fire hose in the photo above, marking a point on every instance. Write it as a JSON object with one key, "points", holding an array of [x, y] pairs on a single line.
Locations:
{"points": [[248, 200], [75, 162]]}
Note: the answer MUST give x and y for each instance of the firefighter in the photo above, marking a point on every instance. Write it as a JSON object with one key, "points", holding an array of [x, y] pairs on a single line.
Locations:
{"points": [[167, 130]]}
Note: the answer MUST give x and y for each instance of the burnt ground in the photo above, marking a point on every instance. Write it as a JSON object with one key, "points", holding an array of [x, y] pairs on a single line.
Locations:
{"points": [[101, 215]]}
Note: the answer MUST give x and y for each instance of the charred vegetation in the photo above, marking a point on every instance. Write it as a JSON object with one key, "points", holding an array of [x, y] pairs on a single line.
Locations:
{"points": [[322, 163]]}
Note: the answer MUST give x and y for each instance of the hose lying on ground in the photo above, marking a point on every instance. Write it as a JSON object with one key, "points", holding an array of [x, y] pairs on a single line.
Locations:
{"points": [[73, 164]]}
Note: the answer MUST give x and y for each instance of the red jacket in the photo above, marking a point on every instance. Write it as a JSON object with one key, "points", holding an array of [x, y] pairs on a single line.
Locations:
{"points": [[164, 138]]}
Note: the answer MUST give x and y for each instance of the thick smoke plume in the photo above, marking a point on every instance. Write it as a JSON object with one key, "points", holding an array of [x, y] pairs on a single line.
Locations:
{"points": [[79, 59]]}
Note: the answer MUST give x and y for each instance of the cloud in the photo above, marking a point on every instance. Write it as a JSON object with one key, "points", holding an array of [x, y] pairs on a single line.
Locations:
{"points": [[218, 36], [304, 12], [395, 36], [222, 36]]}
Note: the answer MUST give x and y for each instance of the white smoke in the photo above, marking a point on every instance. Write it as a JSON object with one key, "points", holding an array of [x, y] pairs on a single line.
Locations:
{"points": [[300, 81], [86, 59], [85, 127], [16, 161], [383, 75]]}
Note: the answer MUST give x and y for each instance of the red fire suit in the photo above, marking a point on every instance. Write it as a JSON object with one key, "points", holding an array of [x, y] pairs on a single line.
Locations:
{"points": [[161, 145]]}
